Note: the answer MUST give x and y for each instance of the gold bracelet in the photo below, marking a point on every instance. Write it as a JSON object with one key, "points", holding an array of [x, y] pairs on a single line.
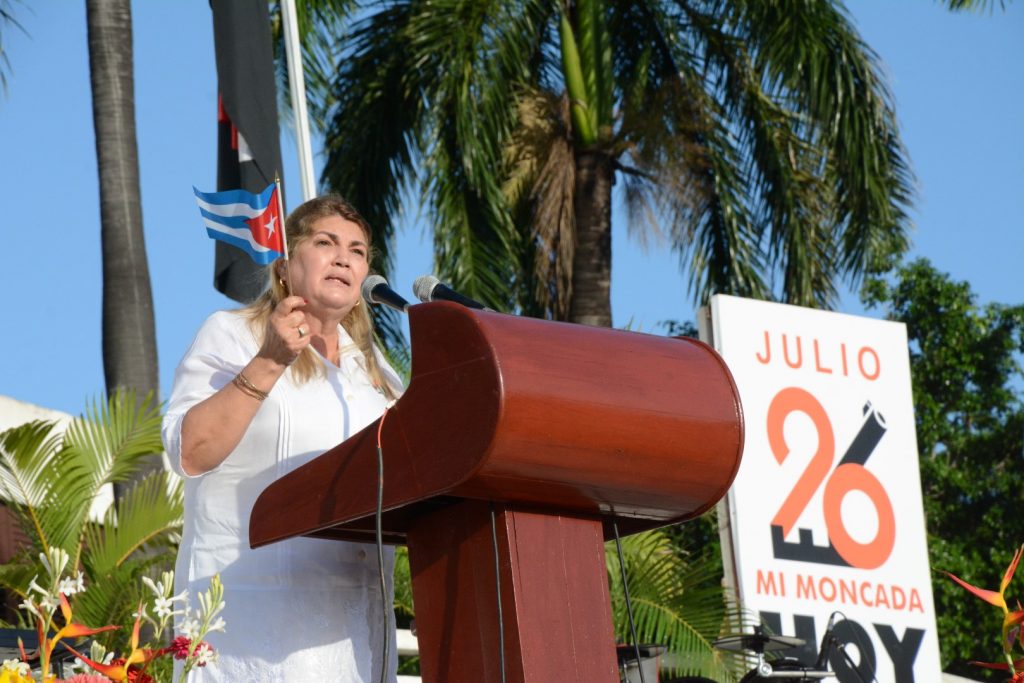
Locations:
{"points": [[248, 388]]}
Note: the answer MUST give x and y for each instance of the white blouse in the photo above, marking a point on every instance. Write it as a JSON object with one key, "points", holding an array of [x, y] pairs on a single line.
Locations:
{"points": [[298, 610]]}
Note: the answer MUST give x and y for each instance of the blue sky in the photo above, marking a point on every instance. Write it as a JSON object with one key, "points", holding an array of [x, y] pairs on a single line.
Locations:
{"points": [[958, 80]]}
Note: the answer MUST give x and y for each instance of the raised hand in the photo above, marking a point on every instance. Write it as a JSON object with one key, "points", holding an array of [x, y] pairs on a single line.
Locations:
{"points": [[288, 331]]}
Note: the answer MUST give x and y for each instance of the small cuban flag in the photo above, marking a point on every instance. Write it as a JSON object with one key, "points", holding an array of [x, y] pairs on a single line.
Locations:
{"points": [[251, 222]]}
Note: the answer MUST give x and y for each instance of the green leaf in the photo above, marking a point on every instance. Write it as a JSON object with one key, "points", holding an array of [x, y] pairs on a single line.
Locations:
{"points": [[675, 602], [148, 515], [51, 481]]}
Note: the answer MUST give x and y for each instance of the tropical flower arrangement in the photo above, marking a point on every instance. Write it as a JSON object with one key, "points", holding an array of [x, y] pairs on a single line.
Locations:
{"points": [[45, 600], [1012, 633]]}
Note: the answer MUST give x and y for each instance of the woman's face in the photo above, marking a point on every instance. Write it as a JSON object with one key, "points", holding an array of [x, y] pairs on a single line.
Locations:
{"points": [[328, 268]]}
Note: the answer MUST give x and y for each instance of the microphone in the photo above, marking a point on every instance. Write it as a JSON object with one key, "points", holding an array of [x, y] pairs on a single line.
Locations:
{"points": [[429, 288], [826, 641], [375, 289]]}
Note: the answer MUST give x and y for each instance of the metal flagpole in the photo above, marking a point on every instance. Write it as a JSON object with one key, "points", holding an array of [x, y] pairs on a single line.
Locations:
{"points": [[296, 78], [284, 232]]}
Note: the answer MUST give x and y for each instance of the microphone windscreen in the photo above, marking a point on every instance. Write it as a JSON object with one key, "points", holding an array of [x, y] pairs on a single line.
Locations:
{"points": [[423, 287], [369, 283]]}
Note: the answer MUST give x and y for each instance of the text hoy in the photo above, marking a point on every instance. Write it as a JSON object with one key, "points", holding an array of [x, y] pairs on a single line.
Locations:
{"points": [[854, 650]]}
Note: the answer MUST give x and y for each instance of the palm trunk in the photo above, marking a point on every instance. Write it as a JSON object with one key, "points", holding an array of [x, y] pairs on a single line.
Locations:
{"points": [[592, 265], [129, 333]]}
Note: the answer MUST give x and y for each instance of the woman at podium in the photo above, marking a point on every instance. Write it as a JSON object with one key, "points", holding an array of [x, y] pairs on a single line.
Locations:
{"points": [[261, 391]]}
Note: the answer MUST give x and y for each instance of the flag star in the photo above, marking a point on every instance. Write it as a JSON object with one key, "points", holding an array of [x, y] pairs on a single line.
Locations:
{"points": [[270, 225]]}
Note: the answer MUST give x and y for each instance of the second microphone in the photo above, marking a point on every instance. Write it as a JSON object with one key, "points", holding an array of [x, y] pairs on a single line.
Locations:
{"points": [[429, 288]]}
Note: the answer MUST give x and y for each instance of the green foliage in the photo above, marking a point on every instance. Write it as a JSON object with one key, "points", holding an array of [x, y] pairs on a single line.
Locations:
{"points": [[975, 5], [403, 588], [677, 601], [758, 137], [970, 423], [50, 481]]}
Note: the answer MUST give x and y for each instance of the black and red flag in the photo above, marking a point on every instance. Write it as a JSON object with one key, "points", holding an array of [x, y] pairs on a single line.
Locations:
{"points": [[248, 144]]}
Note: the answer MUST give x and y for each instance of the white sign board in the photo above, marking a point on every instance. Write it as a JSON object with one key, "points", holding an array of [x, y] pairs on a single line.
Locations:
{"points": [[825, 514]]}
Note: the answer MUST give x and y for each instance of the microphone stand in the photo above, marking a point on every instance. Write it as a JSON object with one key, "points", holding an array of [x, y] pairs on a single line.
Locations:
{"points": [[850, 663], [827, 644]]}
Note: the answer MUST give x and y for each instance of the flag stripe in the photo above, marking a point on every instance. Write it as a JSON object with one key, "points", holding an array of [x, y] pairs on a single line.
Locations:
{"points": [[243, 241], [231, 221], [243, 234], [240, 198]]}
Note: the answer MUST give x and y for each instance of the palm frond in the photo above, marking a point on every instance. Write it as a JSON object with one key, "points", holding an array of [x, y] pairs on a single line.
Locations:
{"points": [[540, 185], [16, 574], [377, 88], [113, 436], [322, 29], [686, 167], [796, 204], [59, 478], [7, 19], [719, 236], [674, 602], [468, 251], [105, 446], [28, 454], [554, 228], [478, 53], [812, 55], [974, 5], [149, 513]]}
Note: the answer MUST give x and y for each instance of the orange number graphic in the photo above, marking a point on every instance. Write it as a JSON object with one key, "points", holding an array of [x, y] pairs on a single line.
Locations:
{"points": [[847, 477], [787, 401], [854, 477]]}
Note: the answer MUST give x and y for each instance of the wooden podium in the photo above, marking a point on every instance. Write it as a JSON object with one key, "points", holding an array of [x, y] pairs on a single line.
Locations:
{"points": [[562, 429]]}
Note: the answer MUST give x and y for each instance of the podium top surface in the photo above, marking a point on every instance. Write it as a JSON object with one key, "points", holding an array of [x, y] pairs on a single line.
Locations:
{"points": [[554, 416]]}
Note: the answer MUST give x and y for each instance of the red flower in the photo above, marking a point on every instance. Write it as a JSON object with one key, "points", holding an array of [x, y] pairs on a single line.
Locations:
{"points": [[179, 648]]}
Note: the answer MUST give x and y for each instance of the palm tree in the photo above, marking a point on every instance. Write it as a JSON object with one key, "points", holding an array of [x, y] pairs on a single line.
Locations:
{"points": [[129, 331], [758, 137], [50, 481]]}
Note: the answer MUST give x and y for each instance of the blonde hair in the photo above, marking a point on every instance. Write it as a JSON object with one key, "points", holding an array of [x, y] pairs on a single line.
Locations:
{"points": [[357, 323]]}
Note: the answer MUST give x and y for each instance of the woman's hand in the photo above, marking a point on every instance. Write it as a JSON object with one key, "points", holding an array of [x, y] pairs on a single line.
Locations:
{"points": [[288, 332], [213, 428]]}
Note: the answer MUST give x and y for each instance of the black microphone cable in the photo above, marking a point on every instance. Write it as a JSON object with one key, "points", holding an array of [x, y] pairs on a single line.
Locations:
{"points": [[380, 550], [629, 605], [497, 590]]}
